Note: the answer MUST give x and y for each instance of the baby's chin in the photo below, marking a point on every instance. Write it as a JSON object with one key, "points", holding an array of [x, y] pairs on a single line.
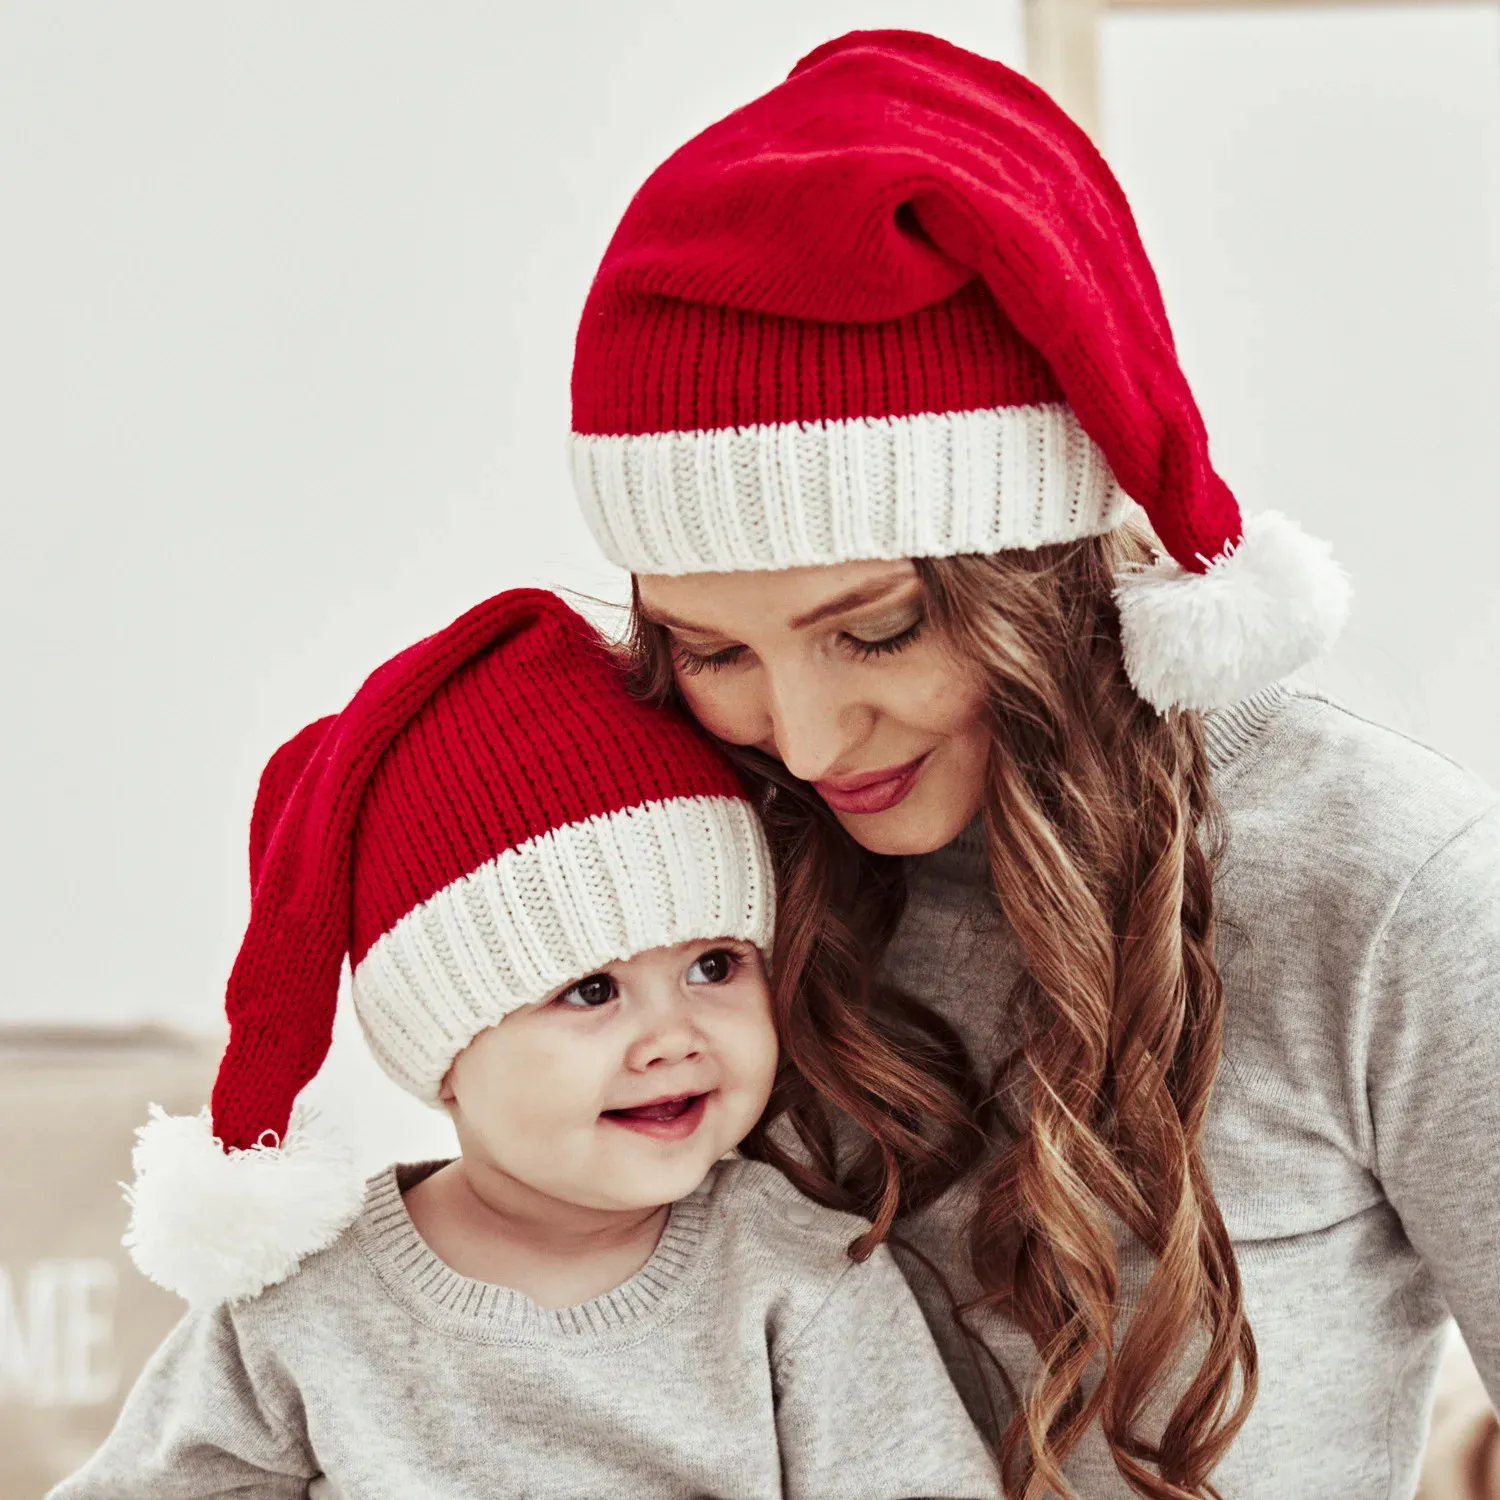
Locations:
{"points": [[637, 1183], [653, 1186]]}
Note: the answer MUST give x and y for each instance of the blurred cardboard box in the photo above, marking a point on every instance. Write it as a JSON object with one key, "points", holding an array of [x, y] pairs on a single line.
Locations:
{"points": [[77, 1320]]}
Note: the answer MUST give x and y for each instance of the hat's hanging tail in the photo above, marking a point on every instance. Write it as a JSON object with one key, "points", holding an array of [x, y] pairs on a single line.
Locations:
{"points": [[227, 1203], [219, 1209], [1236, 602]]}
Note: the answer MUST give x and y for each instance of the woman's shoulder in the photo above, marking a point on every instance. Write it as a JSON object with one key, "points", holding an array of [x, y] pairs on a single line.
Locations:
{"points": [[1335, 784]]}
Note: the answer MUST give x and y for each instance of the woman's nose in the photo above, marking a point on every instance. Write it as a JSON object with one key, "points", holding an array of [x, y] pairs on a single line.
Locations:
{"points": [[813, 726]]}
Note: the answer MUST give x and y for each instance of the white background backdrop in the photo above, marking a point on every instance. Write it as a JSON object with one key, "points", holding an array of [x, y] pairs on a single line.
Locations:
{"points": [[287, 298]]}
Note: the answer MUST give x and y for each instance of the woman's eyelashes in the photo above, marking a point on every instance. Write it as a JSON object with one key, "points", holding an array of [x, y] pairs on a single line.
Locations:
{"points": [[861, 647], [885, 645], [692, 662]]}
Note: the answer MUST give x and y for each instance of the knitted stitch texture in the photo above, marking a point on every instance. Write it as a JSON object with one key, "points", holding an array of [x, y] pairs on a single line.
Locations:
{"points": [[900, 228]]}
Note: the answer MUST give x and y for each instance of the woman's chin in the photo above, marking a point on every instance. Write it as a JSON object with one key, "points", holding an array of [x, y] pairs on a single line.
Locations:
{"points": [[910, 827]]}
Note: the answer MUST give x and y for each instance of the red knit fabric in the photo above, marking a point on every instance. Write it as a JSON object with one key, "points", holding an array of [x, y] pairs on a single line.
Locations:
{"points": [[682, 366], [277, 782], [828, 251], [519, 741], [510, 722]]}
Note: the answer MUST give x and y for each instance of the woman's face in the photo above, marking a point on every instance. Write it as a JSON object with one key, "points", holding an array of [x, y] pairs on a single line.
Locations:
{"points": [[836, 673]]}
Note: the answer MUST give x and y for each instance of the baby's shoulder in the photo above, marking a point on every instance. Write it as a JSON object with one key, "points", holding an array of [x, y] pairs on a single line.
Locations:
{"points": [[783, 1260], [325, 1288], [773, 1234]]}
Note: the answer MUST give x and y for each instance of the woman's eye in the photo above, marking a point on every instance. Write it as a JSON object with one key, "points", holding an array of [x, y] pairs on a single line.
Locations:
{"points": [[692, 662], [590, 993], [886, 644], [713, 967]]}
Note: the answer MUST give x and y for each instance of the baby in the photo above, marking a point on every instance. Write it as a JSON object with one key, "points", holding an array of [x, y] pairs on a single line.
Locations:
{"points": [[556, 902]]}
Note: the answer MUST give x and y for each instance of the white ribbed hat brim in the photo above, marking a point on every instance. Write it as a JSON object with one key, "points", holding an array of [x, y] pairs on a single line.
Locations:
{"points": [[555, 909], [798, 494]]}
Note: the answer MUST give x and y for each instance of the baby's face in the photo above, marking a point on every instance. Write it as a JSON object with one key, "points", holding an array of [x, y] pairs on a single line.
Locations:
{"points": [[622, 1090]]}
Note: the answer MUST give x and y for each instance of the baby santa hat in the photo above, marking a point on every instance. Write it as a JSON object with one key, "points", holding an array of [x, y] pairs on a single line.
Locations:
{"points": [[491, 817], [898, 307]]}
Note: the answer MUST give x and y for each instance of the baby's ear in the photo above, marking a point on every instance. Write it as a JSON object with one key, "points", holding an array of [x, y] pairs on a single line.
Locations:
{"points": [[446, 1097]]}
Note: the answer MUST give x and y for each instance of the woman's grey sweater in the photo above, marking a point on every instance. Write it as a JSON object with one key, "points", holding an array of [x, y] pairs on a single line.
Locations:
{"points": [[1354, 1139]]}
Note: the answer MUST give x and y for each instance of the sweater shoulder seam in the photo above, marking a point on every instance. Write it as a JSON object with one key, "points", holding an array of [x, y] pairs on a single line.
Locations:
{"points": [[1312, 695]]}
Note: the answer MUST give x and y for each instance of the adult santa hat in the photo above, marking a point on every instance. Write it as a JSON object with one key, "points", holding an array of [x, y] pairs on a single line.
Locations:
{"points": [[491, 817], [898, 307]]}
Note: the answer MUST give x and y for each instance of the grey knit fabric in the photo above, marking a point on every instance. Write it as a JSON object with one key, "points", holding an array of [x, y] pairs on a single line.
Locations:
{"points": [[749, 1359], [1354, 1141]]}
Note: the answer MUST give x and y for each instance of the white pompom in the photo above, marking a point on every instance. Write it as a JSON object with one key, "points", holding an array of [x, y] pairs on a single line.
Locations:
{"points": [[1206, 640], [218, 1226]]}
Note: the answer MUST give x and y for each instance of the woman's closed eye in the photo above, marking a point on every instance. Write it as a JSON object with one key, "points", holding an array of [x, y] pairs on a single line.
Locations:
{"points": [[881, 638], [884, 639], [692, 662]]}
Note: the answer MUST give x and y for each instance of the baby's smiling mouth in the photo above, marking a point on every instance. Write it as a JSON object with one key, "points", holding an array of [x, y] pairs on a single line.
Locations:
{"points": [[672, 1108]]}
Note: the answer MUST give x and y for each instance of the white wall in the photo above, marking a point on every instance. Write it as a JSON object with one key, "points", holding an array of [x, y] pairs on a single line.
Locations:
{"points": [[287, 301], [1320, 192]]}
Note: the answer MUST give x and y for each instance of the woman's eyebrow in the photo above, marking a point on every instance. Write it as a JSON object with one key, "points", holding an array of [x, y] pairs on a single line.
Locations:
{"points": [[854, 598], [671, 622], [861, 594]]}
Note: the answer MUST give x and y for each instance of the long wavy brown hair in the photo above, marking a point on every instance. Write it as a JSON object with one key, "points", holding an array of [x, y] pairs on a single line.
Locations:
{"points": [[1103, 835]]}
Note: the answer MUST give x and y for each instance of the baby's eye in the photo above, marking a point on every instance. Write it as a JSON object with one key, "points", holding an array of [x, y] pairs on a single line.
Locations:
{"points": [[596, 990], [713, 967]]}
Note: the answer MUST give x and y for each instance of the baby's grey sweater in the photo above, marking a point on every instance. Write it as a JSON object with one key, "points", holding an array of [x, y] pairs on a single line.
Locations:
{"points": [[749, 1359], [1354, 1140]]}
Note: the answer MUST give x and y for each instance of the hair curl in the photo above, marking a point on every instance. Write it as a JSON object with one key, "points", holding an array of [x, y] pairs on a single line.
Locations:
{"points": [[1103, 834]]}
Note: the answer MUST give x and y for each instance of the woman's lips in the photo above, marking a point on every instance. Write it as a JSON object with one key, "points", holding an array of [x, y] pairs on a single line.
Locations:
{"points": [[665, 1120], [873, 793]]}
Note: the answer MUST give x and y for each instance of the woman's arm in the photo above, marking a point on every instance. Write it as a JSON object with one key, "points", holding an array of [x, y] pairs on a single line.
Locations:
{"points": [[1434, 1076], [864, 1406], [195, 1426]]}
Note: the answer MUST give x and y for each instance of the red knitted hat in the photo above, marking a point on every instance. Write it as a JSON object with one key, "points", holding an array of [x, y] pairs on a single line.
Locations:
{"points": [[898, 307], [491, 817]]}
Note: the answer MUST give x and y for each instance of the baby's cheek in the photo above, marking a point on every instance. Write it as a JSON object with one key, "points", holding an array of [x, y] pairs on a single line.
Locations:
{"points": [[755, 1051], [518, 1093]]}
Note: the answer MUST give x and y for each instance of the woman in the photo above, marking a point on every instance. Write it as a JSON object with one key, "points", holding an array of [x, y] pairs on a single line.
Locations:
{"points": [[1148, 1003]]}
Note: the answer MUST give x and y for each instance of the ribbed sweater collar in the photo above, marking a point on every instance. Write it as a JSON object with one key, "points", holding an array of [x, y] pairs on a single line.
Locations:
{"points": [[1228, 733], [441, 1298]]}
